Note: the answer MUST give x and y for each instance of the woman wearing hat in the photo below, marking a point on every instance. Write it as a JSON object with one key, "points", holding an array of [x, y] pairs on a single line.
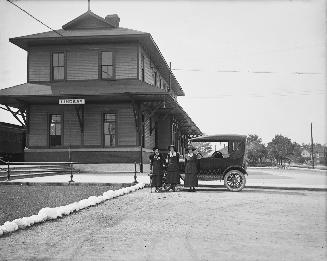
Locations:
{"points": [[173, 168], [191, 171], [156, 168]]}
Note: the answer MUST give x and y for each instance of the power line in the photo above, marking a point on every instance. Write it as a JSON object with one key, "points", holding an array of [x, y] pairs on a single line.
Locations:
{"points": [[238, 71], [29, 14], [174, 69], [254, 95]]}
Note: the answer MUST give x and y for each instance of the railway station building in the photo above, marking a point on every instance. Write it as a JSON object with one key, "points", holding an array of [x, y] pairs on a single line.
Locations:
{"points": [[97, 93]]}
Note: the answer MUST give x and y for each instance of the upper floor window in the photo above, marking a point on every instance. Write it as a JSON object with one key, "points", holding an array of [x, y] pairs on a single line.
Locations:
{"points": [[142, 68], [106, 65], [155, 78], [58, 66]]}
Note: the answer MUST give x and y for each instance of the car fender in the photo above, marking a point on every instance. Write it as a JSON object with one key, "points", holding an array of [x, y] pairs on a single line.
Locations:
{"points": [[240, 168]]}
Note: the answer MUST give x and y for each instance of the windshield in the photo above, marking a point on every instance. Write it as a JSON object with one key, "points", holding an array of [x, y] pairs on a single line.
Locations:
{"points": [[223, 149]]}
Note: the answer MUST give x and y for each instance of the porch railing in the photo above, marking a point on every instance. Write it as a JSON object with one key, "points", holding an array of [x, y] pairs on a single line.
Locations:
{"points": [[13, 170]]}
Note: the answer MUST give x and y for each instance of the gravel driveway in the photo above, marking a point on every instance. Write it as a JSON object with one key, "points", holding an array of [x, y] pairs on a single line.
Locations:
{"points": [[210, 224]]}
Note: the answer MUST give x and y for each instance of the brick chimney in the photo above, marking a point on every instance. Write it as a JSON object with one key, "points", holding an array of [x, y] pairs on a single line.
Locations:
{"points": [[113, 20]]}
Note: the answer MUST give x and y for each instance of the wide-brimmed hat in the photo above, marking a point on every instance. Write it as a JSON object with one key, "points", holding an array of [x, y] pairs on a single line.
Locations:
{"points": [[172, 145], [155, 148]]}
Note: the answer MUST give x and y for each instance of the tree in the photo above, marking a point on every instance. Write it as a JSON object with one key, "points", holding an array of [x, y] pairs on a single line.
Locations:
{"points": [[296, 155], [280, 148], [256, 150]]}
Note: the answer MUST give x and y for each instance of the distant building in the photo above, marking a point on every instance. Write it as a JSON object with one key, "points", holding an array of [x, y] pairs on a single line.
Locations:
{"points": [[305, 154], [12, 142], [102, 92]]}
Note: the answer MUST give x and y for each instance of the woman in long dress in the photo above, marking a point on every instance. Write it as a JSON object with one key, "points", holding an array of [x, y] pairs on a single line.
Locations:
{"points": [[191, 171], [173, 168], [156, 169]]}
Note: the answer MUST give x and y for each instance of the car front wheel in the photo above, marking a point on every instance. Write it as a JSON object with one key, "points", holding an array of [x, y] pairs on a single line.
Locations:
{"points": [[234, 180]]}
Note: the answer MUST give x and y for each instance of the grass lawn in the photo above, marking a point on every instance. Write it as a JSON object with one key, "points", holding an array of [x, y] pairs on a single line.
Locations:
{"points": [[23, 201]]}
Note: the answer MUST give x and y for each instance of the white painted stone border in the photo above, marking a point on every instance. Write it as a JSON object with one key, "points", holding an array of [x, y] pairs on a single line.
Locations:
{"points": [[54, 213]]}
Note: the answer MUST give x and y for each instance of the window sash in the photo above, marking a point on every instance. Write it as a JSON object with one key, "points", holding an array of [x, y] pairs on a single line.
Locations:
{"points": [[58, 66], [106, 58], [55, 130], [107, 71], [142, 68], [109, 129]]}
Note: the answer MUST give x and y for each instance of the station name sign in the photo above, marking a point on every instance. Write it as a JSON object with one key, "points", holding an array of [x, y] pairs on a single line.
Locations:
{"points": [[71, 101]]}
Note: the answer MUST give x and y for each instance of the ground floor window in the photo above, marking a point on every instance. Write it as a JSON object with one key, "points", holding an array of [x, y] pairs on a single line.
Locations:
{"points": [[109, 129], [55, 128]]}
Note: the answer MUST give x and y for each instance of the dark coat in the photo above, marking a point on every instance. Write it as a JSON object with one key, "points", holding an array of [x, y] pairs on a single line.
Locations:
{"points": [[191, 171], [173, 169], [156, 164]]}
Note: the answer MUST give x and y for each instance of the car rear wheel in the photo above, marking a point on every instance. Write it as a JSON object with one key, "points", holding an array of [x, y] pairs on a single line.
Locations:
{"points": [[234, 180]]}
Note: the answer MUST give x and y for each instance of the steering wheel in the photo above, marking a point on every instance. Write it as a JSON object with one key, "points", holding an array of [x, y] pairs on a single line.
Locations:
{"points": [[217, 155]]}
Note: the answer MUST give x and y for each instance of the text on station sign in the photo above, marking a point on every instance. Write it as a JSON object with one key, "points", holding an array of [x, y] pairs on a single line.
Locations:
{"points": [[71, 101]]}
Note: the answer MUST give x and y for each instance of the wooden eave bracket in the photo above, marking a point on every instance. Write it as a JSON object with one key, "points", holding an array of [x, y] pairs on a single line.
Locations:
{"points": [[80, 115], [135, 112], [19, 112]]}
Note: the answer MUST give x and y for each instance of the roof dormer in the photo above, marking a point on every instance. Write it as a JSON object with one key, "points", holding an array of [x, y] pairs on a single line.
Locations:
{"points": [[90, 20]]}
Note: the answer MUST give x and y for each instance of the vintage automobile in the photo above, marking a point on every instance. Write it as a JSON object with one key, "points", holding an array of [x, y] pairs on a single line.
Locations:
{"points": [[226, 164]]}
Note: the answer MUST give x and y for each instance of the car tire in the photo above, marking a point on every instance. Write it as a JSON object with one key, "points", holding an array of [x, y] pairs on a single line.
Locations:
{"points": [[234, 180]]}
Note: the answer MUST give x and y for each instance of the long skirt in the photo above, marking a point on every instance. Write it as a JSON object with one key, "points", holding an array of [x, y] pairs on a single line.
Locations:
{"points": [[173, 174], [156, 180], [191, 178]]}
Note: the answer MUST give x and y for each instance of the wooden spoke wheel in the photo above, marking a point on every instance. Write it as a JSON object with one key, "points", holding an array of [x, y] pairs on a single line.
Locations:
{"points": [[234, 180]]}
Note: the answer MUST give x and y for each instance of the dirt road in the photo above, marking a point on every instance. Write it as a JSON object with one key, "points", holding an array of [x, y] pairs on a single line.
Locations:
{"points": [[210, 224]]}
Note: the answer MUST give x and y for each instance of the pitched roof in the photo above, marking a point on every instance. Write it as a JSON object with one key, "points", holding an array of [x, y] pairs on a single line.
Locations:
{"points": [[220, 137], [90, 87], [71, 34], [89, 15], [95, 90]]}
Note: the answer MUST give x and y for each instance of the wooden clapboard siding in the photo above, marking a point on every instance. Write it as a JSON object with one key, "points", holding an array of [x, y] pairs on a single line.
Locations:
{"points": [[93, 124], [126, 126], [126, 129], [39, 65], [82, 65], [148, 77], [126, 62], [147, 138], [38, 128], [72, 130], [82, 61], [149, 72], [39, 121]]}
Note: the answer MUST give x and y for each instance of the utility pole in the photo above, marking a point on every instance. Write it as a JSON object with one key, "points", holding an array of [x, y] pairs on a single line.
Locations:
{"points": [[88, 5], [169, 76], [312, 156]]}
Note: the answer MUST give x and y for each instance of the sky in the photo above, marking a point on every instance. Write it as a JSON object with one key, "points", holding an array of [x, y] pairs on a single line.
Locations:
{"points": [[246, 67]]}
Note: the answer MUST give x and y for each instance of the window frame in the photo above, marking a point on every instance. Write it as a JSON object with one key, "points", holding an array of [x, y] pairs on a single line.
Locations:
{"points": [[142, 68], [155, 78], [61, 130], [52, 66], [113, 65], [116, 129]]}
